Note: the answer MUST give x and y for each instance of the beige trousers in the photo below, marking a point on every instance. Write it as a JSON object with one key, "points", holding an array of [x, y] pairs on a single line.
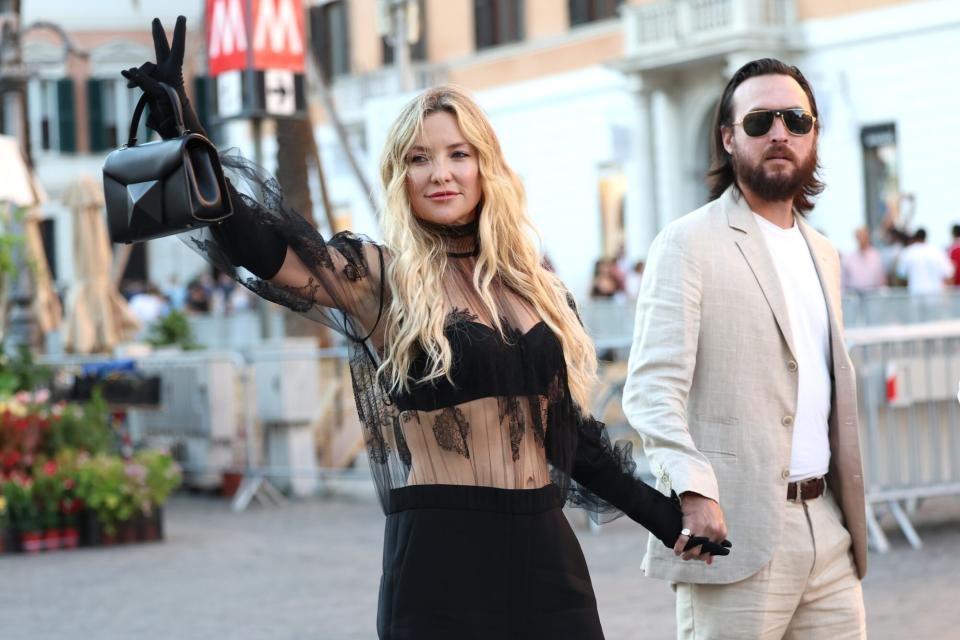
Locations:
{"points": [[808, 591]]}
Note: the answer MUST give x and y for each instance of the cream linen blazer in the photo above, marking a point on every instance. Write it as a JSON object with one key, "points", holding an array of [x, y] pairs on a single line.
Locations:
{"points": [[712, 385]]}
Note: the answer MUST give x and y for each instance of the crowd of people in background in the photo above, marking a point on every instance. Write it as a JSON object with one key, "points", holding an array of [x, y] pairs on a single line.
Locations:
{"points": [[904, 260], [204, 294]]}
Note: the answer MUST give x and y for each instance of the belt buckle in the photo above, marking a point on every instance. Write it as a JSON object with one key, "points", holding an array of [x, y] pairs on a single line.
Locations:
{"points": [[798, 497]]}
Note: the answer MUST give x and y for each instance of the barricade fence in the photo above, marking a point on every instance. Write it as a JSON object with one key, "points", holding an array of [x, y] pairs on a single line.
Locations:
{"points": [[283, 413], [278, 414], [908, 379]]}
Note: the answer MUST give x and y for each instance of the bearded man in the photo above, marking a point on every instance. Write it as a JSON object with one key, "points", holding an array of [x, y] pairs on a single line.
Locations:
{"points": [[741, 387]]}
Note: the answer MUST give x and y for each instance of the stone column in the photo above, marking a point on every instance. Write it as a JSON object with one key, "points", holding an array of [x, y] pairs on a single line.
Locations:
{"points": [[641, 218]]}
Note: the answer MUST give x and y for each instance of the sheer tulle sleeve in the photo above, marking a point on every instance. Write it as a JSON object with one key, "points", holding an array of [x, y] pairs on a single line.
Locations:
{"points": [[338, 282], [600, 476]]}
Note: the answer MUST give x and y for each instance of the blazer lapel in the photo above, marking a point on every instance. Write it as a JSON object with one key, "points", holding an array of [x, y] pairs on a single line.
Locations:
{"points": [[821, 261], [754, 249]]}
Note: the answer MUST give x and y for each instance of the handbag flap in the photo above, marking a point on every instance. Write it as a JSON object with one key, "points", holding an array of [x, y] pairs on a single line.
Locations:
{"points": [[150, 161]]}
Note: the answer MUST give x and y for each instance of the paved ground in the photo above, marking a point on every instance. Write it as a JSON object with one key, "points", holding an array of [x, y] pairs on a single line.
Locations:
{"points": [[311, 570]]}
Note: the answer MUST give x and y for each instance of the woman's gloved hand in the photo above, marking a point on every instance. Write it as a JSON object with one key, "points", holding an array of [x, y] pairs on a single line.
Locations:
{"points": [[168, 69]]}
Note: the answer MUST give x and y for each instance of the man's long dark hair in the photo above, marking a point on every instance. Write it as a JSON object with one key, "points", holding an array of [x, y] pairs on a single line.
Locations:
{"points": [[722, 173]]}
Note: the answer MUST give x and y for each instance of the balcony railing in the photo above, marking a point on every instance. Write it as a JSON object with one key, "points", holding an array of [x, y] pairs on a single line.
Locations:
{"points": [[669, 24]]}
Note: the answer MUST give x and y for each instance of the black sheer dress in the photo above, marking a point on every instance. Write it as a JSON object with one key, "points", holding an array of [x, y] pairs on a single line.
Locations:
{"points": [[472, 473]]}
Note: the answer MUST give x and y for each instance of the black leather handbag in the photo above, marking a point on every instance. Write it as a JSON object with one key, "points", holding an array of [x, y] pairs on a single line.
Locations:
{"points": [[164, 187]]}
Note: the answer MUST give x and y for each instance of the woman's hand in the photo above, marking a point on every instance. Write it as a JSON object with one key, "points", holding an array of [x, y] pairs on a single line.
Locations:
{"points": [[168, 69]]}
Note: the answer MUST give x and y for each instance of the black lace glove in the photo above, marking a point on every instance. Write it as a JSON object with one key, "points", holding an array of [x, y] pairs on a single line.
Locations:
{"points": [[169, 70], [597, 467], [249, 240]]}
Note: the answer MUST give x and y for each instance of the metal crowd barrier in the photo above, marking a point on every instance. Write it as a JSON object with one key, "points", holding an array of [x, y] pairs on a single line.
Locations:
{"points": [[897, 306], [251, 412], [908, 379]]}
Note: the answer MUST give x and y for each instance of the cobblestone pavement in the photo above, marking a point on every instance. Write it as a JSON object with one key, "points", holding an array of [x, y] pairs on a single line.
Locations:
{"points": [[311, 570]]}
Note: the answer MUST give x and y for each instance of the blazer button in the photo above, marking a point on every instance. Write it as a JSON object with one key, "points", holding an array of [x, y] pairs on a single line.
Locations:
{"points": [[787, 421], [785, 474], [792, 366]]}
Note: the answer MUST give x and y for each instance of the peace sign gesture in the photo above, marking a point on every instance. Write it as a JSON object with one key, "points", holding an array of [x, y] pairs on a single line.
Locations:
{"points": [[168, 69]]}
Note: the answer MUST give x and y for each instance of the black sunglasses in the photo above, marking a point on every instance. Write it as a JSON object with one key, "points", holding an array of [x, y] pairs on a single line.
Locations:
{"points": [[797, 121]]}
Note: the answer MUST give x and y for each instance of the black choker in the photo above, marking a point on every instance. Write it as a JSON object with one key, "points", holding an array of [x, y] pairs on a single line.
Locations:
{"points": [[461, 239]]}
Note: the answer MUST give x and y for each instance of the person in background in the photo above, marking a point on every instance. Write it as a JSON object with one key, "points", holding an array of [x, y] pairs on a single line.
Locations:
{"points": [[863, 269], [954, 253], [198, 301], [605, 283], [176, 293], [926, 268], [149, 305]]}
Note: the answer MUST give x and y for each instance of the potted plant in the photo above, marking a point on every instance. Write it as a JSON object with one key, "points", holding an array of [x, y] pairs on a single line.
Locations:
{"points": [[5, 535], [100, 481], [172, 330], [162, 477], [24, 513], [48, 492], [70, 504]]}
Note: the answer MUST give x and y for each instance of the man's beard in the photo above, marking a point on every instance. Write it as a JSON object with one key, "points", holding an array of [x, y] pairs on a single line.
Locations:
{"points": [[780, 186]]}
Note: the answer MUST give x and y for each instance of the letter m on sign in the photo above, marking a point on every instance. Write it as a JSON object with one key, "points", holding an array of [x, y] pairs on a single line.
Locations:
{"points": [[226, 35], [278, 35]]}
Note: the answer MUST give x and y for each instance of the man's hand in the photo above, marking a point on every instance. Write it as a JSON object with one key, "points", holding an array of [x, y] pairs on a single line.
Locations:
{"points": [[702, 517]]}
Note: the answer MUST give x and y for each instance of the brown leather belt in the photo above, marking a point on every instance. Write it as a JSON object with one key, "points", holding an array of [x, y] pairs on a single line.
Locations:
{"points": [[808, 489]]}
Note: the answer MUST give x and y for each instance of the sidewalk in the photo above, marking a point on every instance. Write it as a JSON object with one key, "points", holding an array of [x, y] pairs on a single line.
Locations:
{"points": [[311, 570]]}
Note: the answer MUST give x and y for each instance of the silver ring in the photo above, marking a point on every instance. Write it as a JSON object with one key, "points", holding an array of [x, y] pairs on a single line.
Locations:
{"points": [[685, 532]]}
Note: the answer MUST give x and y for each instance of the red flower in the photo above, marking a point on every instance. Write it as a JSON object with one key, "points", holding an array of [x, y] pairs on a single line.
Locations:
{"points": [[50, 467], [69, 484], [11, 458]]}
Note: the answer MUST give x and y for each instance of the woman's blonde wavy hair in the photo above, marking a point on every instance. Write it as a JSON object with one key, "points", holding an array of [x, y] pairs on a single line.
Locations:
{"points": [[415, 321]]}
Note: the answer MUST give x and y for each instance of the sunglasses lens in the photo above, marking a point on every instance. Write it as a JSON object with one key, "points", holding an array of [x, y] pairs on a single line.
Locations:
{"points": [[757, 123], [798, 121]]}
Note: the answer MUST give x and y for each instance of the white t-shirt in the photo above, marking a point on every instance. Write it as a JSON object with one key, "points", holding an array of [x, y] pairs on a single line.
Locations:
{"points": [[810, 328], [925, 267]]}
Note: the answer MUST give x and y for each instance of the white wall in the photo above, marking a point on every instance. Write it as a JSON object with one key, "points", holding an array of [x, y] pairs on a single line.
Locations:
{"points": [[894, 65]]}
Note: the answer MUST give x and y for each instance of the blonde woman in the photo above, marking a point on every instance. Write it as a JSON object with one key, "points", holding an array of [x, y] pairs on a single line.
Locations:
{"points": [[471, 371]]}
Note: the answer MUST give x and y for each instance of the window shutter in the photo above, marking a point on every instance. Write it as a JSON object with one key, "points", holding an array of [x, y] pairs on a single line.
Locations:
{"points": [[483, 23], [65, 115], [579, 12], [95, 114]]}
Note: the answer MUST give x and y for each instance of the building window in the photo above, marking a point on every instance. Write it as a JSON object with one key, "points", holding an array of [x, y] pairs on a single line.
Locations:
{"points": [[584, 11], [418, 50], [51, 110], [329, 31], [110, 106], [497, 22]]}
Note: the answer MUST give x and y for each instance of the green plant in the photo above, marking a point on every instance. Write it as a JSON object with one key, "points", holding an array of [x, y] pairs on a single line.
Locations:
{"points": [[4, 512], [85, 427], [24, 513], [172, 329], [19, 372], [163, 474], [48, 492], [116, 490]]}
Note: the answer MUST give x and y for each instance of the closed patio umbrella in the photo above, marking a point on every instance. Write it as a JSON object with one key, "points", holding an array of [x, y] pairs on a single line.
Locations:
{"points": [[98, 317], [20, 188]]}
